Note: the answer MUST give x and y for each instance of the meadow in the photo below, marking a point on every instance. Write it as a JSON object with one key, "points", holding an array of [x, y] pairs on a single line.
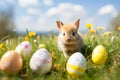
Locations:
{"points": [[109, 71]]}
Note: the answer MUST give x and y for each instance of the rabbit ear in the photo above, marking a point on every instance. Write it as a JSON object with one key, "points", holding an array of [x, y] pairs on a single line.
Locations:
{"points": [[77, 23], [59, 24]]}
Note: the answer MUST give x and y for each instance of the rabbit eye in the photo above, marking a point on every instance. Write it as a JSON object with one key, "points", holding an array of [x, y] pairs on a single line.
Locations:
{"points": [[73, 33], [63, 34]]}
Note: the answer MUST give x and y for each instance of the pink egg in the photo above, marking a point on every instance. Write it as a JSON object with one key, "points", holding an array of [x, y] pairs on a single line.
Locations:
{"points": [[41, 61], [24, 48]]}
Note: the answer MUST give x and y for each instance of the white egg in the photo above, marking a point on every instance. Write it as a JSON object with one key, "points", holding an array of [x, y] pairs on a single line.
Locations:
{"points": [[41, 61], [24, 48], [76, 64]]}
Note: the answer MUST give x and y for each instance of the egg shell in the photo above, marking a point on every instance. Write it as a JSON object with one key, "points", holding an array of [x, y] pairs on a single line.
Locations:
{"points": [[42, 46], [99, 55], [11, 62], [24, 49], [41, 61], [76, 64]]}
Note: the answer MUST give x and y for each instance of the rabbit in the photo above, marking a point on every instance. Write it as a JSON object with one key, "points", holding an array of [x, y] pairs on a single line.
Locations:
{"points": [[69, 39]]}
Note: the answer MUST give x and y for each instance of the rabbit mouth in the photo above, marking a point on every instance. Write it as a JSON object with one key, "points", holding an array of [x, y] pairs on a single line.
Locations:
{"points": [[71, 42]]}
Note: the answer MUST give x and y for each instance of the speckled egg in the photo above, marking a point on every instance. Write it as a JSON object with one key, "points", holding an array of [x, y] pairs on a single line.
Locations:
{"points": [[24, 49], [41, 61], [76, 64], [11, 62]]}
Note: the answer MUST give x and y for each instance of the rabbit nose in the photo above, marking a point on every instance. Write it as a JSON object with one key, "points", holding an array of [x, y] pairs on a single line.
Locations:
{"points": [[68, 40]]}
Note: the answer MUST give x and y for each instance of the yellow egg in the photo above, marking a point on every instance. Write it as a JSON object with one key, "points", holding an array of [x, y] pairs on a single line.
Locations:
{"points": [[42, 46], [11, 62], [76, 64], [99, 55]]}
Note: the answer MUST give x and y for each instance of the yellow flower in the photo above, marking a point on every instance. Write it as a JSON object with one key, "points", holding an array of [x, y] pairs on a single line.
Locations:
{"points": [[31, 34], [57, 66], [106, 33], [53, 55], [26, 38], [92, 30], [1, 45], [89, 25], [118, 28], [100, 28]]}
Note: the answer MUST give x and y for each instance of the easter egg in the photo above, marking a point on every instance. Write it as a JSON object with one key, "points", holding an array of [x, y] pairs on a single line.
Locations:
{"points": [[41, 61], [24, 48], [42, 46], [11, 62], [76, 64], [99, 55]]}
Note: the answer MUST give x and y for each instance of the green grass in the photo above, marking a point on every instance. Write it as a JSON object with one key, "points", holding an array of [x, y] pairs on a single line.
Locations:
{"points": [[109, 71]]}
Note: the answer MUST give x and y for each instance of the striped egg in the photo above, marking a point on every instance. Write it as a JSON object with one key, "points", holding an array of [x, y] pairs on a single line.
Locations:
{"points": [[76, 64]]}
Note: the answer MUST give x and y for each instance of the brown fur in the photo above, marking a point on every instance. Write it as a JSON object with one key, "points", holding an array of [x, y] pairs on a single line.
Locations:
{"points": [[69, 40]]}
